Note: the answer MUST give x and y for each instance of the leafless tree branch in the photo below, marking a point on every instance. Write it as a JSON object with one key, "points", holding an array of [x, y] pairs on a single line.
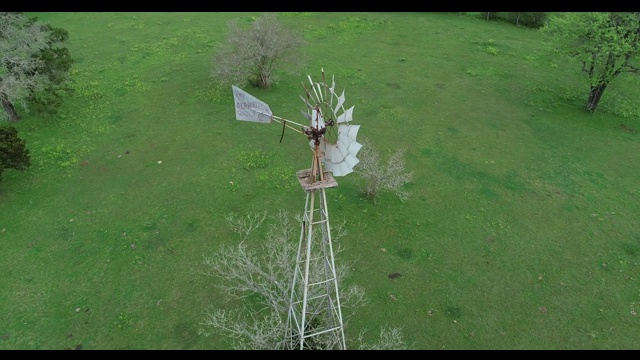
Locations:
{"points": [[252, 55], [376, 177]]}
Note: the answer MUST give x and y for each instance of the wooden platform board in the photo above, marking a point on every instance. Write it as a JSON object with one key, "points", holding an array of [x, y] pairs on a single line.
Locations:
{"points": [[304, 177]]}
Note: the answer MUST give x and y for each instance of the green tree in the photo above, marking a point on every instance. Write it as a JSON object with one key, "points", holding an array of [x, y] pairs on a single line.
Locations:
{"points": [[529, 19], [605, 43], [491, 15], [13, 151], [252, 55], [56, 65], [34, 65]]}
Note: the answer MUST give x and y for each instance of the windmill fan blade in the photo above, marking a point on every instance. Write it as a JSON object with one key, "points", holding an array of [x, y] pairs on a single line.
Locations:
{"points": [[349, 131], [350, 148], [343, 145], [340, 102], [351, 161], [341, 156], [333, 84], [329, 167], [306, 102], [332, 90], [346, 116], [337, 154], [354, 147], [341, 169], [319, 92], [347, 135], [328, 153], [313, 87], [322, 147]]}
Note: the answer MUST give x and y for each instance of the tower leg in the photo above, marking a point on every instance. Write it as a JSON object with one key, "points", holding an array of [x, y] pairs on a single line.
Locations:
{"points": [[315, 318]]}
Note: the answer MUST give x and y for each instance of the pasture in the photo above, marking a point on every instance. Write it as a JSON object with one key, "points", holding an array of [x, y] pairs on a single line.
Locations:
{"points": [[520, 232]]}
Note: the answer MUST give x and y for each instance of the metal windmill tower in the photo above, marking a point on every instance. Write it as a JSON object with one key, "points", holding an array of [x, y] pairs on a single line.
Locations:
{"points": [[315, 318]]}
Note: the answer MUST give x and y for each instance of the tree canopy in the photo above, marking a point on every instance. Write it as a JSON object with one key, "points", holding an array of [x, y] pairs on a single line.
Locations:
{"points": [[605, 43], [13, 152], [34, 65]]}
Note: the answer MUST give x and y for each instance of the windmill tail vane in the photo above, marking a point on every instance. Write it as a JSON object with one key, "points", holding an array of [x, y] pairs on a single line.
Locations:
{"points": [[250, 108]]}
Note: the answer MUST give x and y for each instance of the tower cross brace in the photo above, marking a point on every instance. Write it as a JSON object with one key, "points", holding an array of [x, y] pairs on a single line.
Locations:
{"points": [[315, 316]]}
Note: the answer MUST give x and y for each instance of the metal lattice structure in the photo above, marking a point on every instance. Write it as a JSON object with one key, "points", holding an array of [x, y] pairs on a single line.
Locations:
{"points": [[314, 319], [315, 316]]}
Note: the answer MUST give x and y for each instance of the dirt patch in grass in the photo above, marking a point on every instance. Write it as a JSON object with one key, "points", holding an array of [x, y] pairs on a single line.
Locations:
{"points": [[624, 127]]}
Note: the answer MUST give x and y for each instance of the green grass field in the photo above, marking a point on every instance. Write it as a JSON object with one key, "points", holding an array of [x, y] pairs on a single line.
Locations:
{"points": [[520, 231]]}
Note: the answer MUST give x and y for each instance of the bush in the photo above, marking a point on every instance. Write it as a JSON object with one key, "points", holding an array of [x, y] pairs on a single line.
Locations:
{"points": [[13, 151], [376, 177]]}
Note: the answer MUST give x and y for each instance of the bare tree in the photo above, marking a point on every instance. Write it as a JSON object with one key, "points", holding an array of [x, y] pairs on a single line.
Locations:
{"points": [[376, 177], [265, 271], [20, 42], [390, 338], [252, 55]]}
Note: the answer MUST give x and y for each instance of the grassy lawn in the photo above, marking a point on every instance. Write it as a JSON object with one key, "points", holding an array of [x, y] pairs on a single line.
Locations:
{"points": [[520, 231]]}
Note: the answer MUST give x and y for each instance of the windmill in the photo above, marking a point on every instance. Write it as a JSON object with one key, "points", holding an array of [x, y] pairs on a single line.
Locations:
{"points": [[314, 315]]}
